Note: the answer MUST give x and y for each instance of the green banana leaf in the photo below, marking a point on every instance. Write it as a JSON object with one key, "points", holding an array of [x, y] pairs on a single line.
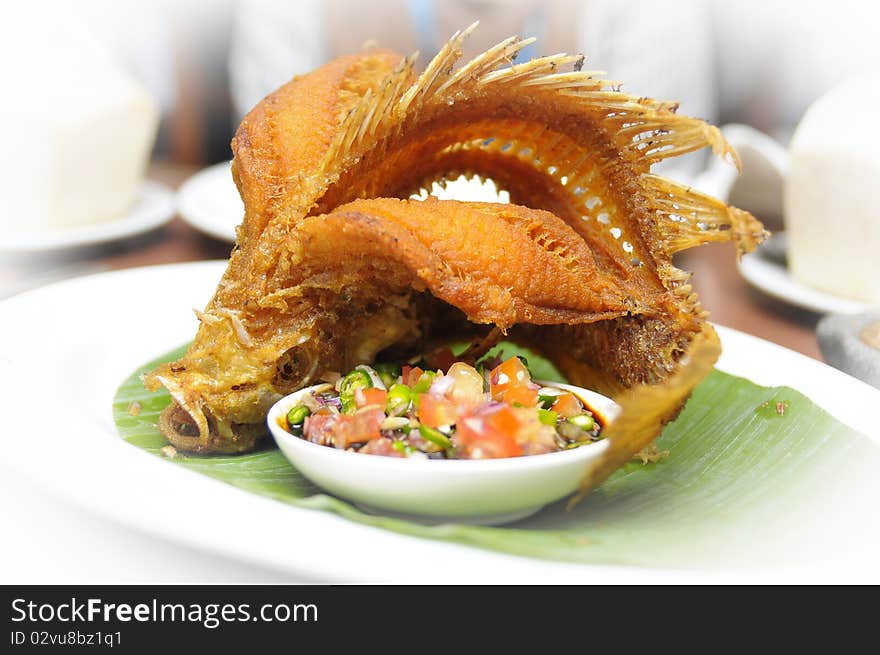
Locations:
{"points": [[754, 475]]}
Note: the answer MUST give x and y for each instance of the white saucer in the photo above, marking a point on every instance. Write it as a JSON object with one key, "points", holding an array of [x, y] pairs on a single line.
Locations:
{"points": [[210, 202], [765, 269], [153, 207]]}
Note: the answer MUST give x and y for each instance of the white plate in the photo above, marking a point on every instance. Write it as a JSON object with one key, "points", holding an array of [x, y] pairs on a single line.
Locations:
{"points": [[71, 344], [765, 270], [153, 207], [209, 201]]}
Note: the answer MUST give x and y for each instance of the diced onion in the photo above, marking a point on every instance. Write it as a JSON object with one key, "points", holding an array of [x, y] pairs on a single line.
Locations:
{"points": [[441, 385], [394, 423], [550, 391], [488, 408]]}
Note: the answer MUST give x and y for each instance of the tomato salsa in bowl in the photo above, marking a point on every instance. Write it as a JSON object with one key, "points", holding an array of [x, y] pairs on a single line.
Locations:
{"points": [[509, 444], [467, 412]]}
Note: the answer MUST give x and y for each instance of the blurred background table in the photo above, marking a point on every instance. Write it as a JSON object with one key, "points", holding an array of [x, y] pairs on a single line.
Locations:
{"points": [[721, 288], [733, 303]]}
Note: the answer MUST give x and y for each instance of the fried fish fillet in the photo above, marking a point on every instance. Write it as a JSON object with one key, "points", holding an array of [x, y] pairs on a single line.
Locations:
{"points": [[334, 264]]}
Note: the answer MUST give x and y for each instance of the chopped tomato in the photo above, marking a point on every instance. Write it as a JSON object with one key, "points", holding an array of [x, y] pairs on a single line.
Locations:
{"points": [[510, 373], [382, 446], [479, 440], [372, 396], [534, 436], [567, 405], [441, 359], [423, 384], [412, 376], [524, 396], [318, 428], [358, 428], [435, 411], [504, 420]]}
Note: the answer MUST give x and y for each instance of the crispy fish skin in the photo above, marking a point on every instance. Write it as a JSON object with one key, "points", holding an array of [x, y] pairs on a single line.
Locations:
{"points": [[530, 267], [332, 267], [284, 138]]}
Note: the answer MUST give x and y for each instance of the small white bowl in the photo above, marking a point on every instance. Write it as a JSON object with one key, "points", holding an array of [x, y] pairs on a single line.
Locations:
{"points": [[486, 491]]}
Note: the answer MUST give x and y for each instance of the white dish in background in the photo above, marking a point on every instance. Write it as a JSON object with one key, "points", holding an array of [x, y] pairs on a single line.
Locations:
{"points": [[765, 269], [209, 201], [488, 492], [82, 459], [758, 188], [153, 207]]}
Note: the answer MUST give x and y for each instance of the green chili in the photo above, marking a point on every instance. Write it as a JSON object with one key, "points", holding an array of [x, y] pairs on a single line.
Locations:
{"points": [[424, 382], [348, 404], [388, 372], [584, 421], [399, 397], [435, 436], [295, 418], [548, 417], [354, 380]]}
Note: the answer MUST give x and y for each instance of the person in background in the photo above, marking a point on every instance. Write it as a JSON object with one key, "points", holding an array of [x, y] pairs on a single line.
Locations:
{"points": [[760, 62], [272, 41]]}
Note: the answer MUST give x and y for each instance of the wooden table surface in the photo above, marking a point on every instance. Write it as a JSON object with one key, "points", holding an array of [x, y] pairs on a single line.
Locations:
{"points": [[730, 301]]}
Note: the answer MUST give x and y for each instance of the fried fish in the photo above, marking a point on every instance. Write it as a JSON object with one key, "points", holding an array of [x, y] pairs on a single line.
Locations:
{"points": [[334, 262]]}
